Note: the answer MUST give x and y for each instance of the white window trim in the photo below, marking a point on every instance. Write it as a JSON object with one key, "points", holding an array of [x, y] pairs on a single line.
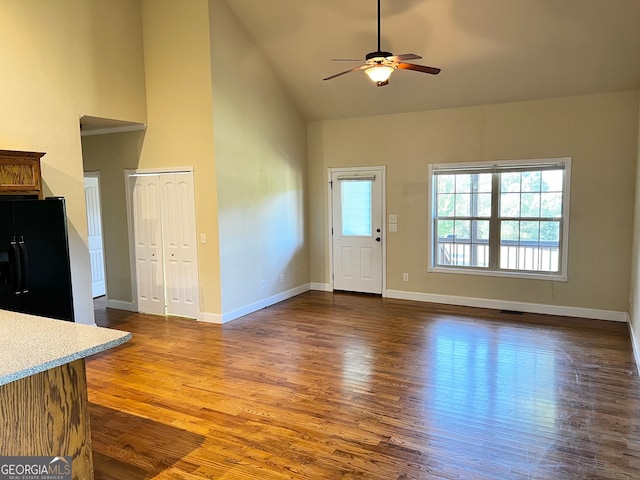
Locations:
{"points": [[566, 202]]}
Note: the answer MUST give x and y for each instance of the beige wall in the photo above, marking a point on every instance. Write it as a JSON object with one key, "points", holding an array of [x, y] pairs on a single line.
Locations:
{"points": [[600, 133], [61, 60], [249, 166], [260, 145], [111, 154], [180, 117]]}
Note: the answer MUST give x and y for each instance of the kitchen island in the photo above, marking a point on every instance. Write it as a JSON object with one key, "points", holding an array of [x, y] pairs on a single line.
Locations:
{"points": [[43, 387]]}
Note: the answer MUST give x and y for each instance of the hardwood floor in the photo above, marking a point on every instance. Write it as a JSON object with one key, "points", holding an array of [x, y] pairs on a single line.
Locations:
{"points": [[343, 386]]}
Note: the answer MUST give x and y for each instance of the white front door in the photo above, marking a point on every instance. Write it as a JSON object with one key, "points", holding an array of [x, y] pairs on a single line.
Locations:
{"points": [[357, 229], [94, 231], [147, 233], [179, 244]]}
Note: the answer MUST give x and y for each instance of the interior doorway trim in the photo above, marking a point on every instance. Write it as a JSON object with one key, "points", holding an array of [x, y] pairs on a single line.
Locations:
{"points": [[381, 170], [128, 174]]}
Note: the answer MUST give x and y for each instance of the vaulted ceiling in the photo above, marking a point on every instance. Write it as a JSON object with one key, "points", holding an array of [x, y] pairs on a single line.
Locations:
{"points": [[490, 51]]}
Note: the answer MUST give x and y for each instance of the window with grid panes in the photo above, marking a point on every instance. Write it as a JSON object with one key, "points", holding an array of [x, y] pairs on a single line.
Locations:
{"points": [[503, 218]]}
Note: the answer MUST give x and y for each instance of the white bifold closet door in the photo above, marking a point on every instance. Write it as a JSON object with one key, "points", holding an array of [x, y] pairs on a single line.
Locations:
{"points": [[179, 244], [165, 243]]}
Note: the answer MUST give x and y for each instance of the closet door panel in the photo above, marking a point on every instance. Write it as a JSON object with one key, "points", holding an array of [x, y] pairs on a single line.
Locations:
{"points": [[147, 224], [180, 248]]}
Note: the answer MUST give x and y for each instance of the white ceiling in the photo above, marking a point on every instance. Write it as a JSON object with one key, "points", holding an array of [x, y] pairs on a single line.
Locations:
{"points": [[490, 51]]}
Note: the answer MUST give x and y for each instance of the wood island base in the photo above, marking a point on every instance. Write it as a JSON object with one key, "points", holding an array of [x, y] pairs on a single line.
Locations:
{"points": [[46, 414]]}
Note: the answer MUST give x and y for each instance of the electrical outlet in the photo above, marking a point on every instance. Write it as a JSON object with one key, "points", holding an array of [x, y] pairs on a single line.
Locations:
{"points": [[263, 284], [282, 278], [405, 277], [203, 238]]}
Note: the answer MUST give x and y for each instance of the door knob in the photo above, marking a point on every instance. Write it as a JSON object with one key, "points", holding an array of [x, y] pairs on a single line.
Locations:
{"points": [[377, 239]]}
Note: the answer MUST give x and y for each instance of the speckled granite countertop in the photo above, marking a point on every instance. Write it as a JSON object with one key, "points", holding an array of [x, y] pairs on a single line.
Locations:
{"points": [[30, 344]]}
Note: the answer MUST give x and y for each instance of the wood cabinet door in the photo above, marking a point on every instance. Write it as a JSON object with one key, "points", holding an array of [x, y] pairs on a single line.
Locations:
{"points": [[20, 173]]}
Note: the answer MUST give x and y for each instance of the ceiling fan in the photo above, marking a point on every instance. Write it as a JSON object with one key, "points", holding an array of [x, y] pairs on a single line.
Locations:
{"points": [[380, 65]]}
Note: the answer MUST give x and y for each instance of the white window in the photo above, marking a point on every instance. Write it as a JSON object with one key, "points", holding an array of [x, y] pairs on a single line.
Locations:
{"points": [[356, 207], [502, 218]]}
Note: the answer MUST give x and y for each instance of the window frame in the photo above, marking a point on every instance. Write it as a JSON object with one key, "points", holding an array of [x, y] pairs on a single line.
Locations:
{"points": [[495, 219]]}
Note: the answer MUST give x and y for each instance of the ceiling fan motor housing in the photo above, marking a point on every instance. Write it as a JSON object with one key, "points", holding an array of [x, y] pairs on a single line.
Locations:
{"points": [[373, 55]]}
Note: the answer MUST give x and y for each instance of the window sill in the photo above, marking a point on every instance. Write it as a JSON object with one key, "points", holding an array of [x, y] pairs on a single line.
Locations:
{"points": [[554, 277]]}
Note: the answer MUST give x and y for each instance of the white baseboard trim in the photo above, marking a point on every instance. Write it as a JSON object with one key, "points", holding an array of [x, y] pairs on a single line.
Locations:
{"points": [[591, 313], [209, 317], [636, 348], [121, 305], [323, 287], [253, 307]]}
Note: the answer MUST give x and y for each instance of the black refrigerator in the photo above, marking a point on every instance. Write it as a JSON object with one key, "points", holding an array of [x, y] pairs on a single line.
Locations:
{"points": [[35, 274]]}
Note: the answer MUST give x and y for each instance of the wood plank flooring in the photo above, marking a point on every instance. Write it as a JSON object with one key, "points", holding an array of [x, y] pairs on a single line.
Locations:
{"points": [[345, 386]]}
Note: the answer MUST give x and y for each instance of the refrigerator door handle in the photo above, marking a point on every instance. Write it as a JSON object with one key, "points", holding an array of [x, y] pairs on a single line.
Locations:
{"points": [[24, 265], [17, 268]]}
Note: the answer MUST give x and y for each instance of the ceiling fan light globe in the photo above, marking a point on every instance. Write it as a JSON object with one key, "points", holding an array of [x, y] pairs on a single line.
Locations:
{"points": [[379, 73]]}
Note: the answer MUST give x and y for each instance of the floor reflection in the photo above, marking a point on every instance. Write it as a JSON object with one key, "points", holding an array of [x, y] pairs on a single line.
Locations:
{"points": [[488, 372]]}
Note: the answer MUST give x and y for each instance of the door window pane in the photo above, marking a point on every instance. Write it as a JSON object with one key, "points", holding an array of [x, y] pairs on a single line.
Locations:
{"points": [[356, 207]]}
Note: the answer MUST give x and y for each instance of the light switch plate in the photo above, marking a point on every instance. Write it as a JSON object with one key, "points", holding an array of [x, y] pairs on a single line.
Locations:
{"points": [[393, 218], [393, 227]]}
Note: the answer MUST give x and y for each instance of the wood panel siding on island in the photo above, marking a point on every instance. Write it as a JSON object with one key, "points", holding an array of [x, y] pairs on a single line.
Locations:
{"points": [[46, 415]]}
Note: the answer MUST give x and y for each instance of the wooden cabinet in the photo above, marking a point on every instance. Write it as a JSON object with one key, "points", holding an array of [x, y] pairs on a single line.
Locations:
{"points": [[20, 173]]}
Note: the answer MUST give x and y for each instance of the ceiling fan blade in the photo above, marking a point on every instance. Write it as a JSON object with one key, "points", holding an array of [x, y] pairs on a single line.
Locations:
{"points": [[347, 60], [419, 68], [403, 57], [345, 72]]}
